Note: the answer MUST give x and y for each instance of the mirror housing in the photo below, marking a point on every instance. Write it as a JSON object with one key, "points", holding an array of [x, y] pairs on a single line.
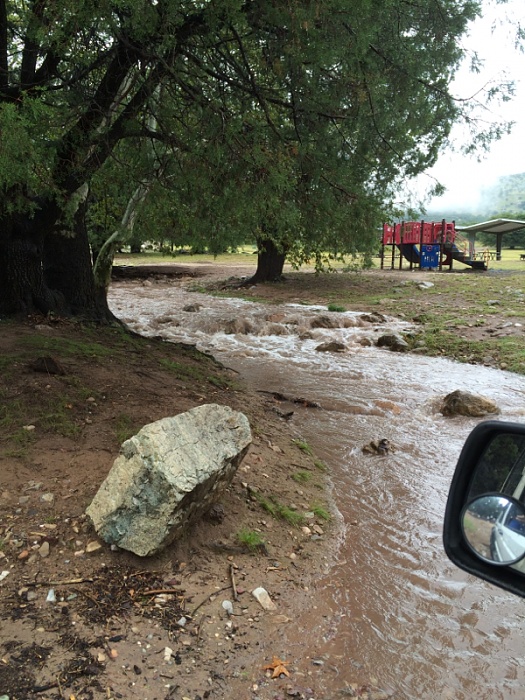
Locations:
{"points": [[491, 465]]}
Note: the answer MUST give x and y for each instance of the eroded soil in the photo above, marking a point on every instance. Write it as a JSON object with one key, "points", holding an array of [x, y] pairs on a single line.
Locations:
{"points": [[79, 620]]}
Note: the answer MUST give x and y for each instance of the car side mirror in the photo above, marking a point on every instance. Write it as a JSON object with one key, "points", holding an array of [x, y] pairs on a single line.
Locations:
{"points": [[484, 529]]}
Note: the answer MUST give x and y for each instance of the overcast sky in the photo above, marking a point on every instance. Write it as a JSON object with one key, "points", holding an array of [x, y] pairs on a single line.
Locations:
{"points": [[465, 177]]}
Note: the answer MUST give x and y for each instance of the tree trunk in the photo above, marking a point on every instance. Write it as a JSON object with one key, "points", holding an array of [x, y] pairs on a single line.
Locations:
{"points": [[22, 285], [270, 262], [42, 271], [68, 269]]}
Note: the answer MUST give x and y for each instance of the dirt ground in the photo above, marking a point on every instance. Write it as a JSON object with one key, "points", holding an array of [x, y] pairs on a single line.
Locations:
{"points": [[82, 621]]}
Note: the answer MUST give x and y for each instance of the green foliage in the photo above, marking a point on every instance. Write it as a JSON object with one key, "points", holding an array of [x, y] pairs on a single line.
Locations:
{"points": [[302, 477], [209, 125], [66, 346], [303, 446], [124, 428], [199, 373], [56, 416], [336, 307], [319, 464], [250, 539], [320, 512], [272, 506], [183, 371]]}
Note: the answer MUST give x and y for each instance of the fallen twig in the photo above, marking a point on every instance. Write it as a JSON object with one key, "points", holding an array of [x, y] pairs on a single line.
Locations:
{"points": [[68, 582], [234, 586], [192, 614]]}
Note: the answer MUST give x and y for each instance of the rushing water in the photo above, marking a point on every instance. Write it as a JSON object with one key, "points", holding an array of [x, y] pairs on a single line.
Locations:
{"points": [[400, 611]]}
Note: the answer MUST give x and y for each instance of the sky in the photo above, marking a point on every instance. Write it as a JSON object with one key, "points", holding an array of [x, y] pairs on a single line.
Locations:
{"points": [[493, 39]]}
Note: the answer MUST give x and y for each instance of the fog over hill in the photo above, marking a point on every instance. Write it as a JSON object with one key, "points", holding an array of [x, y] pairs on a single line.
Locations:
{"points": [[504, 198]]}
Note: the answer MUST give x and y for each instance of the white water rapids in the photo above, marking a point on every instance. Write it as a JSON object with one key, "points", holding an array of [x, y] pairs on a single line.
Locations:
{"points": [[400, 611]]}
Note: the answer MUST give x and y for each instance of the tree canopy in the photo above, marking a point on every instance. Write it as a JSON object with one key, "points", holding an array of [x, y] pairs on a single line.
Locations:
{"points": [[291, 123]]}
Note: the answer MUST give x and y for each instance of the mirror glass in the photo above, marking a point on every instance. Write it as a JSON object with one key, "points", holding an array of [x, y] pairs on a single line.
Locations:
{"points": [[500, 470], [494, 527]]}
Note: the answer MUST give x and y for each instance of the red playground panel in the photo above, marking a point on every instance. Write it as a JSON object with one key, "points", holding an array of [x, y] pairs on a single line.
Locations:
{"points": [[419, 233]]}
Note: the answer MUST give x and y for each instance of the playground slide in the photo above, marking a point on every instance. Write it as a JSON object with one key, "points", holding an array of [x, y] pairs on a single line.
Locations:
{"points": [[461, 257], [411, 253]]}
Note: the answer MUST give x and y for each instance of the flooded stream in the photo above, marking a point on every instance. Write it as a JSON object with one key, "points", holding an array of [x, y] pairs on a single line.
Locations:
{"points": [[400, 612]]}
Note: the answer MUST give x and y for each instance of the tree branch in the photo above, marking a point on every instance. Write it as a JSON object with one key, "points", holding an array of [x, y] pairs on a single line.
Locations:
{"points": [[4, 65], [31, 49]]}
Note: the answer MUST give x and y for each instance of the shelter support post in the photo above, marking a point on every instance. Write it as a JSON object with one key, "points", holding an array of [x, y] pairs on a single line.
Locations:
{"points": [[471, 245], [499, 240]]}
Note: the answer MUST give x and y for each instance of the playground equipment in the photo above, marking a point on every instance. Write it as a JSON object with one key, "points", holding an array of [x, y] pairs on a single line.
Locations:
{"points": [[428, 245]]}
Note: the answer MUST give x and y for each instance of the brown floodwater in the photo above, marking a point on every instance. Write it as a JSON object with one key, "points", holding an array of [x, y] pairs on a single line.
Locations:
{"points": [[395, 609]]}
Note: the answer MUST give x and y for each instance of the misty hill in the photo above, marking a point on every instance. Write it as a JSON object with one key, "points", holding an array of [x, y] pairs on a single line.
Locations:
{"points": [[505, 199]]}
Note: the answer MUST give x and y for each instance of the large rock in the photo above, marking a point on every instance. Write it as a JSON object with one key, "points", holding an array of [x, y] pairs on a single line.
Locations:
{"points": [[167, 476], [393, 341], [462, 403]]}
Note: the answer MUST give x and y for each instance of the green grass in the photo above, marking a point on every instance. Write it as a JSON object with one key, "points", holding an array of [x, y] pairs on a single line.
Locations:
{"points": [[57, 416], [303, 446], [250, 539], [124, 428], [279, 511], [54, 414], [302, 477], [197, 373], [5, 363], [336, 307], [67, 347], [320, 512]]}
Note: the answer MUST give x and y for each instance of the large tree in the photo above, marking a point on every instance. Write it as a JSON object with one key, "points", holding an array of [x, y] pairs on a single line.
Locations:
{"points": [[305, 115]]}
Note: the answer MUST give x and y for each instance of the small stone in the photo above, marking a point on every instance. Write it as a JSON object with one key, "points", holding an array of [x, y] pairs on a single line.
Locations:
{"points": [[43, 550], [113, 653], [93, 546], [227, 606], [47, 498], [29, 428], [51, 597], [262, 596], [23, 554]]}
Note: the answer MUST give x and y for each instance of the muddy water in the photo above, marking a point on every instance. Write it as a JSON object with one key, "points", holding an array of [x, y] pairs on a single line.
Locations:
{"points": [[398, 610]]}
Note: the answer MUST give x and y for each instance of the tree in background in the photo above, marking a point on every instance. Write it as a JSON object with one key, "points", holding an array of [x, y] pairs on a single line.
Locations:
{"points": [[291, 122]]}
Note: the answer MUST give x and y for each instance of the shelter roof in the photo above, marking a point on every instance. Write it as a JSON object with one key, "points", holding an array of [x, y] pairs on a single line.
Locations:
{"points": [[494, 226]]}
